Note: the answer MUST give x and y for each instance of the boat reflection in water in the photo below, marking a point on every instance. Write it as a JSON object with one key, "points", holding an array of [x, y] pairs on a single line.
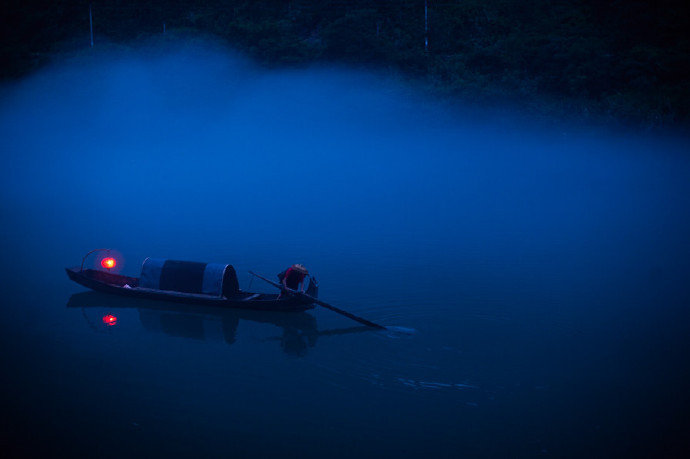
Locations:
{"points": [[299, 330]]}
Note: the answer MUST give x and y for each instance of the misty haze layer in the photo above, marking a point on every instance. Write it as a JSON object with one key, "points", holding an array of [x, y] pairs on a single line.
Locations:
{"points": [[410, 212], [150, 137]]}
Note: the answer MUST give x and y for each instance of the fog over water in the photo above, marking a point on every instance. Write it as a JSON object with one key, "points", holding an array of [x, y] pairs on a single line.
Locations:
{"points": [[544, 267]]}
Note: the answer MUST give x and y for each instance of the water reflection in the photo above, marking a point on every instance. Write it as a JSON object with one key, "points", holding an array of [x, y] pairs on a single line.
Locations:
{"points": [[299, 329]]}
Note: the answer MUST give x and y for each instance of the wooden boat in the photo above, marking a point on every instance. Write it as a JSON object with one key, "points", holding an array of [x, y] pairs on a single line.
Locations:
{"points": [[190, 283]]}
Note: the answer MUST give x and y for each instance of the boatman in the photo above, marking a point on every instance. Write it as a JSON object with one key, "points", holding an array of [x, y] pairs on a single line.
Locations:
{"points": [[293, 277]]}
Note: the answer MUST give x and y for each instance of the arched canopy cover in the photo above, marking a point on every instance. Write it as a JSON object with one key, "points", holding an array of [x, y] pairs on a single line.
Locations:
{"points": [[188, 277]]}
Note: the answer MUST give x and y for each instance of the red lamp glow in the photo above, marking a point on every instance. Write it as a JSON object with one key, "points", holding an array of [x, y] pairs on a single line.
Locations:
{"points": [[109, 320], [108, 262]]}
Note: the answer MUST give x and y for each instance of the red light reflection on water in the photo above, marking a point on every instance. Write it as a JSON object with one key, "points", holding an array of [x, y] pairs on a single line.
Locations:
{"points": [[109, 320]]}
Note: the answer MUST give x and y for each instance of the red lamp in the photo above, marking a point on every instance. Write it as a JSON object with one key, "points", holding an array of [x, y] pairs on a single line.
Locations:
{"points": [[108, 262]]}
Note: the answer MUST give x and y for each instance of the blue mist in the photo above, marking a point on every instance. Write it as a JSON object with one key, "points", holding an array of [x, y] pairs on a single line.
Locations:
{"points": [[543, 268]]}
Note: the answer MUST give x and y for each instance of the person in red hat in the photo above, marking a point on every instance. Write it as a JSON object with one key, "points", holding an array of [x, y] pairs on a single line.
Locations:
{"points": [[293, 277]]}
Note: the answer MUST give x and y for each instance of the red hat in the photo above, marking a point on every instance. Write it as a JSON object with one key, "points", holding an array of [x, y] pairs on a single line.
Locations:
{"points": [[299, 268]]}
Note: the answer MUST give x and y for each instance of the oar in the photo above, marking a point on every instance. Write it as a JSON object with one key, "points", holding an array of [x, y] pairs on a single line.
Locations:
{"points": [[321, 303]]}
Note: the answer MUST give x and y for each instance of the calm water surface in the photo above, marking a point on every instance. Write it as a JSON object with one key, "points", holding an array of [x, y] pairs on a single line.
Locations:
{"points": [[542, 271]]}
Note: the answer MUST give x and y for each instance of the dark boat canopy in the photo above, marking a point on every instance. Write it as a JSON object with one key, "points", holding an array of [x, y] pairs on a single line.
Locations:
{"points": [[189, 277]]}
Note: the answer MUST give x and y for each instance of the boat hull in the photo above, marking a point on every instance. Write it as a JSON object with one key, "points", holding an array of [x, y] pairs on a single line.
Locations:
{"points": [[129, 287]]}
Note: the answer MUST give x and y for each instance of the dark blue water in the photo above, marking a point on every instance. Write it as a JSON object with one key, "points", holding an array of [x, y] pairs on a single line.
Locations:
{"points": [[539, 272]]}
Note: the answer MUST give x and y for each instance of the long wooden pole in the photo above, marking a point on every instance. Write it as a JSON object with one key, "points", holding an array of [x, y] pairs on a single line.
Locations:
{"points": [[426, 26], [321, 303], [91, 25]]}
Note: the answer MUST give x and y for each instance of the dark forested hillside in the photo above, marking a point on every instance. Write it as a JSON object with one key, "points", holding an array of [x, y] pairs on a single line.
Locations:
{"points": [[624, 59]]}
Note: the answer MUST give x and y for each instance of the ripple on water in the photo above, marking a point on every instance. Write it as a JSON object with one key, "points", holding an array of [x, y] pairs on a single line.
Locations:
{"points": [[397, 361]]}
